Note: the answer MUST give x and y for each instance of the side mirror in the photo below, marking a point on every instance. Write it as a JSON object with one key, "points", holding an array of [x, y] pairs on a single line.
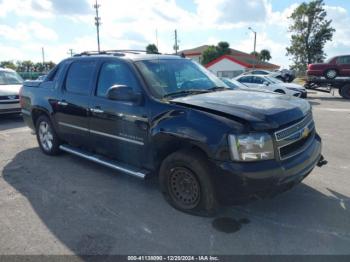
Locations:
{"points": [[123, 93], [266, 83]]}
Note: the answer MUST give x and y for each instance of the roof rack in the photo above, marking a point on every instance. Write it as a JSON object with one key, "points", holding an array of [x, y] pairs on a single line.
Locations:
{"points": [[111, 52]]}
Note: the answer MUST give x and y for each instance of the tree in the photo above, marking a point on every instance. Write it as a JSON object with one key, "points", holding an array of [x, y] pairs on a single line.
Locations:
{"points": [[213, 52], [8, 64], [310, 31], [265, 55], [256, 54], [152, 49]]}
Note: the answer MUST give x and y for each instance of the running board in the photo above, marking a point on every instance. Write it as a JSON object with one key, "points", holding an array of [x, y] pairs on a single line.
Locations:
{"points": [[104, 161]]}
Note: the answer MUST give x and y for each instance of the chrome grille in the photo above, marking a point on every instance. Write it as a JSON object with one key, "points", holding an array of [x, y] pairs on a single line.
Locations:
{"points": [[281, 134], [295, 138]]}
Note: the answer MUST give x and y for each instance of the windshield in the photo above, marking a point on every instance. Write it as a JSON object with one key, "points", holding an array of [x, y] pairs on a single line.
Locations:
{"points": [[177, 76], [273, 80], [10, 78]]}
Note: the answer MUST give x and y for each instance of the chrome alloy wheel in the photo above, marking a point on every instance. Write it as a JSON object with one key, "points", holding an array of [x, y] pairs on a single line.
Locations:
{"points": [[45, 136]]}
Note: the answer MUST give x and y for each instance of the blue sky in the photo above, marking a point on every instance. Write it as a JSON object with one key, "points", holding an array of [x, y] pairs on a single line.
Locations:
{"points": [[58, 25]]}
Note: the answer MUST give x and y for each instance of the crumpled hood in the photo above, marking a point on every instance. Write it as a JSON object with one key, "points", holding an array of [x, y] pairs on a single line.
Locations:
{"points": [[261, 110], [9, 90]]}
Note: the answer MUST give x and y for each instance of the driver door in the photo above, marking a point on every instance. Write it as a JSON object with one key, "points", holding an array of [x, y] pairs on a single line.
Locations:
{"points": [[118, 129]]}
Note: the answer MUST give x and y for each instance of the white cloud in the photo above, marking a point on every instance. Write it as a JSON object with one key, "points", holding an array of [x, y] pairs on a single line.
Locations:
{"points": [[26, 32]]}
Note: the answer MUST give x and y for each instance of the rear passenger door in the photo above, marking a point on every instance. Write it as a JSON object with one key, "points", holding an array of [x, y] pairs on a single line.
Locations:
{"points": [[72, 108], [118, 128]]}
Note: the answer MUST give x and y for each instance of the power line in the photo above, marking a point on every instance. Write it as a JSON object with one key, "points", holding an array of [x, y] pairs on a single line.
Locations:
{"points": [[97, 24]]}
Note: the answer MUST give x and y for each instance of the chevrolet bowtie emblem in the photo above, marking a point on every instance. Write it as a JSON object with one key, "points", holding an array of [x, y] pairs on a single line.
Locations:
{"points": [[306, 132]]}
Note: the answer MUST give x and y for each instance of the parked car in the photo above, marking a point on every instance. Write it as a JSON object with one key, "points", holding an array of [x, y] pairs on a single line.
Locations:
{"points": [[332, 68], [232, 83], [164, 115], [273, 84], [10, 84], [284, 75]]}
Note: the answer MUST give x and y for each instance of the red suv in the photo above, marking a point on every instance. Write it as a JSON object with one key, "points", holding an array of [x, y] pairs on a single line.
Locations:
{"points": [[333, 67]]}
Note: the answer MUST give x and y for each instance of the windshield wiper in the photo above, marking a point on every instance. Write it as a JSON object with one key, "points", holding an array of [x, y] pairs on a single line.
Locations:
{"points": [[187, 92], [218, 88]]}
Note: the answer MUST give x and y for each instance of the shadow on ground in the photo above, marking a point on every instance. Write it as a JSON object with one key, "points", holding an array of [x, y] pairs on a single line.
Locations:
{"points": [[93, 210], [11, 121]]}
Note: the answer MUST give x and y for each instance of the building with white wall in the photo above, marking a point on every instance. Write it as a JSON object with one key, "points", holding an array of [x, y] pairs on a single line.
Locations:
{"points": [[230, 65]]}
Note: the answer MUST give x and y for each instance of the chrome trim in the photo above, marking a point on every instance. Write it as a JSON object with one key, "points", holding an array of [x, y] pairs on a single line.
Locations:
{"points": [[298, 131], [102, 162], [102, 133], [8, 101], [292, 126], [73, 126], [62, 103], [117, 137], [97, 111]]}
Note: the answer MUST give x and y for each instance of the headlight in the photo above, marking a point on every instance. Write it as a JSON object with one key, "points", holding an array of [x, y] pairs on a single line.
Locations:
{"points": [[251, 147]]}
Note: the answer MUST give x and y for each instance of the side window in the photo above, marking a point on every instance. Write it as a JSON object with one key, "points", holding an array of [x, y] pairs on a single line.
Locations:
{"points": [[258, 80], [115, 73], [343, 60], [54, 73], [79, 77], [245, 79]]}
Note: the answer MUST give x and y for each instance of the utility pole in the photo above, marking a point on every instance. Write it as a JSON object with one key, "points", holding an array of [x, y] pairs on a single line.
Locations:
{"points": [[70, 52], [97, 24], [254, 44], [176, 47], [43, 55]]}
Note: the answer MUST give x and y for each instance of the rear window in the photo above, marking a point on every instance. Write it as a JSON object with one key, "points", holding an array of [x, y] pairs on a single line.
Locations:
{"points": [[80, 76]]}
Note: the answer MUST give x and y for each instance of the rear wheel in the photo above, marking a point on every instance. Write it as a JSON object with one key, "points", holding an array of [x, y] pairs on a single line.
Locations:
{"points": [[185, 183], [331, 74], [46, 136], [345, 92]]}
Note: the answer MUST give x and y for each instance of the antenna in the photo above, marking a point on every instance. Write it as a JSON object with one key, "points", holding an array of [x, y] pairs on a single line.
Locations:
{"points": [[97, 24]]}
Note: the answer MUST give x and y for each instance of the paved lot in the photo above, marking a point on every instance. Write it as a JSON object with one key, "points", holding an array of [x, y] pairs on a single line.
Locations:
{"points": [[66, 205]]}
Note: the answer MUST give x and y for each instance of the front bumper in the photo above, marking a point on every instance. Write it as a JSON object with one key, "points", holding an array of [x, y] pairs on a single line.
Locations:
{"points": [[237, 182], [9, 107]]}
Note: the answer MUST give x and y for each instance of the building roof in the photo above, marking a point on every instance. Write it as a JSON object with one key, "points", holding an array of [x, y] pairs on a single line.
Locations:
{"points": [[244, 59]]}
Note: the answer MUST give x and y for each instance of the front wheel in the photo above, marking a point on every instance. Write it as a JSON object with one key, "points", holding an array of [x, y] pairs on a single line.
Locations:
{"points": [[331, 74], [186, 184], [46, 136]]}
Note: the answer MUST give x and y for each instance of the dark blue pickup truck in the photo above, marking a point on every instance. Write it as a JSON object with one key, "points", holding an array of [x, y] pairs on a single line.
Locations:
{"points": [[167, 116]]}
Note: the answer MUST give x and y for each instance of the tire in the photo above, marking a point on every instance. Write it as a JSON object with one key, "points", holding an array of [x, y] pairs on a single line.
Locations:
{"points": [[186, 184], [345, 92], [280, 91], [330, 74], [46, 135]]}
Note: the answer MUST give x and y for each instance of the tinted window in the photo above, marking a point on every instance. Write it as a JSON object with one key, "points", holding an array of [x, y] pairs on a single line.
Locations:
{"points": [[79, 77], [343, 60], [115, 73], [258, 80], [245, 79]]}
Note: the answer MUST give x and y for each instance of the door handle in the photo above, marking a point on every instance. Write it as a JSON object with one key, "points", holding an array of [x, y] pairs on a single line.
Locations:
{"points": [[97, 110], [62, 103]]}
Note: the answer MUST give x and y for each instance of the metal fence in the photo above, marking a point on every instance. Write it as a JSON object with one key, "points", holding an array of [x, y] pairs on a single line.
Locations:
{"points": [[30, 75]]}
